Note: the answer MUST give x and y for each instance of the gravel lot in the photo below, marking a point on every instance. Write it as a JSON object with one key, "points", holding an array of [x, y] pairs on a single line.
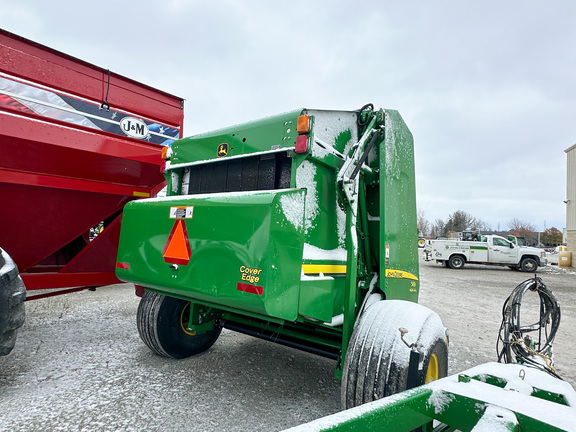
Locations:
{"points": [[80, 365]]}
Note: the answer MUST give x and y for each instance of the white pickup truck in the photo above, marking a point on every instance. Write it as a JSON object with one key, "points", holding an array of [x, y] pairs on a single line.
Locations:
{"points": [[490, 249]]}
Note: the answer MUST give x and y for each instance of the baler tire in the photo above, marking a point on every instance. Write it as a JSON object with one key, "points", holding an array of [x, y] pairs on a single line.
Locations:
{"points": [[12, 310], [528, 265], [456, 262], [159, 322], [376, 363]]}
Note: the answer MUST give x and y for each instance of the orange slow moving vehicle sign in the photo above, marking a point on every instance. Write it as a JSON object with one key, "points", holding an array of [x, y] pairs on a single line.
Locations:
{"points": [[177, 249]]}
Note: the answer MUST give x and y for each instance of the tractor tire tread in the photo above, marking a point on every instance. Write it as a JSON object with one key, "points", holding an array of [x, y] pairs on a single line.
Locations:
{"points": [[12, 297]]}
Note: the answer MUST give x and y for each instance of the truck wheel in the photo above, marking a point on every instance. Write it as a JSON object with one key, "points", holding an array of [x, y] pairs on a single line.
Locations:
{"points": [[12, 296], [376, 364], [456, 262], [528, 265], [162, 323]]}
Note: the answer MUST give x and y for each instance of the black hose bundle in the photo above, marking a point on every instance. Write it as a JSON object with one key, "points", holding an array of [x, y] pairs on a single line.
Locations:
{"points": [[518, 346]]}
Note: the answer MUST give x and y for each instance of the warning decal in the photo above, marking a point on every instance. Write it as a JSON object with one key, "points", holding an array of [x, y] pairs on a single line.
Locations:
{"points": [[177, 248], [181, 212]]}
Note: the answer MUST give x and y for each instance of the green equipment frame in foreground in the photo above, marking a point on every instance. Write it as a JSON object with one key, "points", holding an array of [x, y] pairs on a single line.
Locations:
{"points": [[493, 397], [300, 229]]}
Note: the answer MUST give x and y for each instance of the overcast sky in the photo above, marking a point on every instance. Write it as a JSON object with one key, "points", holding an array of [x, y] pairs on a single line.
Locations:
{"points": [[487, 88]]}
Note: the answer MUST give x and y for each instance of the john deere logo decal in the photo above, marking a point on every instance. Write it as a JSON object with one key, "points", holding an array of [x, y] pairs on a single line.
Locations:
{"points": [[222, 150]]}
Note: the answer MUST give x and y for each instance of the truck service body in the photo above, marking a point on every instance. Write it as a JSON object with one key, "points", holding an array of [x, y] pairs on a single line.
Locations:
{"points": [[489, 249]]}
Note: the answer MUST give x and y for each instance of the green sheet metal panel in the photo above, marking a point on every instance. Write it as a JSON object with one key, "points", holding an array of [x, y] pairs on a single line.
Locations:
{"points": [[271, 133], [398, 231], [245, 249]]}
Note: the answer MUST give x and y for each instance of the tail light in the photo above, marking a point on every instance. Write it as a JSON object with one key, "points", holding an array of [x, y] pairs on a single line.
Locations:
{"points": [[301, 144]]}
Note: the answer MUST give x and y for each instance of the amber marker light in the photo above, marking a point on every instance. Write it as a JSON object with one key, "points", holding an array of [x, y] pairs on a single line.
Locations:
{"points": [[303, 124]]}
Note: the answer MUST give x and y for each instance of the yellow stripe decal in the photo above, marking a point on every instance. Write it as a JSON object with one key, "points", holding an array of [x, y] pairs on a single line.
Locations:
{"points": [[323, 268], [141, 194], [399, 274]]}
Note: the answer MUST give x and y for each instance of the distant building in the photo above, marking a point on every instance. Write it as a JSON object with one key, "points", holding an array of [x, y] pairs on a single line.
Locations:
{"points": [[570, 232]]}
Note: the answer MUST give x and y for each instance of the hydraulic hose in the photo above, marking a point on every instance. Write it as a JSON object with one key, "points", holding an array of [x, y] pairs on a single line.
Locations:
{"points": [[518, 346]]}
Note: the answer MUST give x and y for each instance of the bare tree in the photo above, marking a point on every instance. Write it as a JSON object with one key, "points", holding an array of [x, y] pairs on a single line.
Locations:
{"points": [[422, 223], [462, 221], [521, 228], [438, 229]]}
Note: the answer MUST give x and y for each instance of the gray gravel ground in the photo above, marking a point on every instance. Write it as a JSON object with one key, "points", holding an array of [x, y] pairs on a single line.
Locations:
{"points": [[80, 365]]}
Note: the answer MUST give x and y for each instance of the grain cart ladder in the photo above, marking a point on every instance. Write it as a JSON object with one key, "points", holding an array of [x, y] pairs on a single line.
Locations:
{"points": [[300, 229]]}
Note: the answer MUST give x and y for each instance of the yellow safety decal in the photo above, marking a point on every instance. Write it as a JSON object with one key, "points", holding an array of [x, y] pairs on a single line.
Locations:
{"points": [[399, 274], [324, 268], [141, 194]]}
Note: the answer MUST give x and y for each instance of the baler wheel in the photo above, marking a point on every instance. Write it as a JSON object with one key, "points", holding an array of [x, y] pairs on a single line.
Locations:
{"points": [[376, 364], [12, 296], [162, 323]]}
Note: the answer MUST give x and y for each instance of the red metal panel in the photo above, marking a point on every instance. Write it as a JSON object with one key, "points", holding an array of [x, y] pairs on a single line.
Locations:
{"points": [[37, 222], [66, 165], [23, 58], [100, 254], [36, 281], [32, 179]]}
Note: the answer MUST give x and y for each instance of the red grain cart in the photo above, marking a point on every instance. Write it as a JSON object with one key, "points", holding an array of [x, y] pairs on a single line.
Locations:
{"points": [[77, 142]]}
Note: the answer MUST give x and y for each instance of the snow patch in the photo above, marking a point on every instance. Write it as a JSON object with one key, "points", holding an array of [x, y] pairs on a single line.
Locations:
{"points": [[8, 264], [314, 253], [495, 419], [305, 178], [440, 400], [293, 208]]}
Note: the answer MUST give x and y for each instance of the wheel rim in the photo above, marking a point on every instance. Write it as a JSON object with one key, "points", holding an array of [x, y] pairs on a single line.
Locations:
{"points": [[433, 370], [457, 262], [185, 319], [529, 266]]}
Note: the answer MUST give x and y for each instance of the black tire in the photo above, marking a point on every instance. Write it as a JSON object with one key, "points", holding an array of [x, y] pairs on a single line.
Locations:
{"points": [[528, 265], [12, 296], [376, 363], [161, 322], [456, 262]]}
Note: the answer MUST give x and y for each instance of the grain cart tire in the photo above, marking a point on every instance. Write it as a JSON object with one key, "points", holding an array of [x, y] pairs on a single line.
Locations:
{"points": [[528, 265], [421, 243], [376, 363], [12, 296], [456, 262], [161, 322]]}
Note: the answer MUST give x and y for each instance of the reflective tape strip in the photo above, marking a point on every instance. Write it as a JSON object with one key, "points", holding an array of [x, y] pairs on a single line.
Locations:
{"points": [[324, 268]]}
